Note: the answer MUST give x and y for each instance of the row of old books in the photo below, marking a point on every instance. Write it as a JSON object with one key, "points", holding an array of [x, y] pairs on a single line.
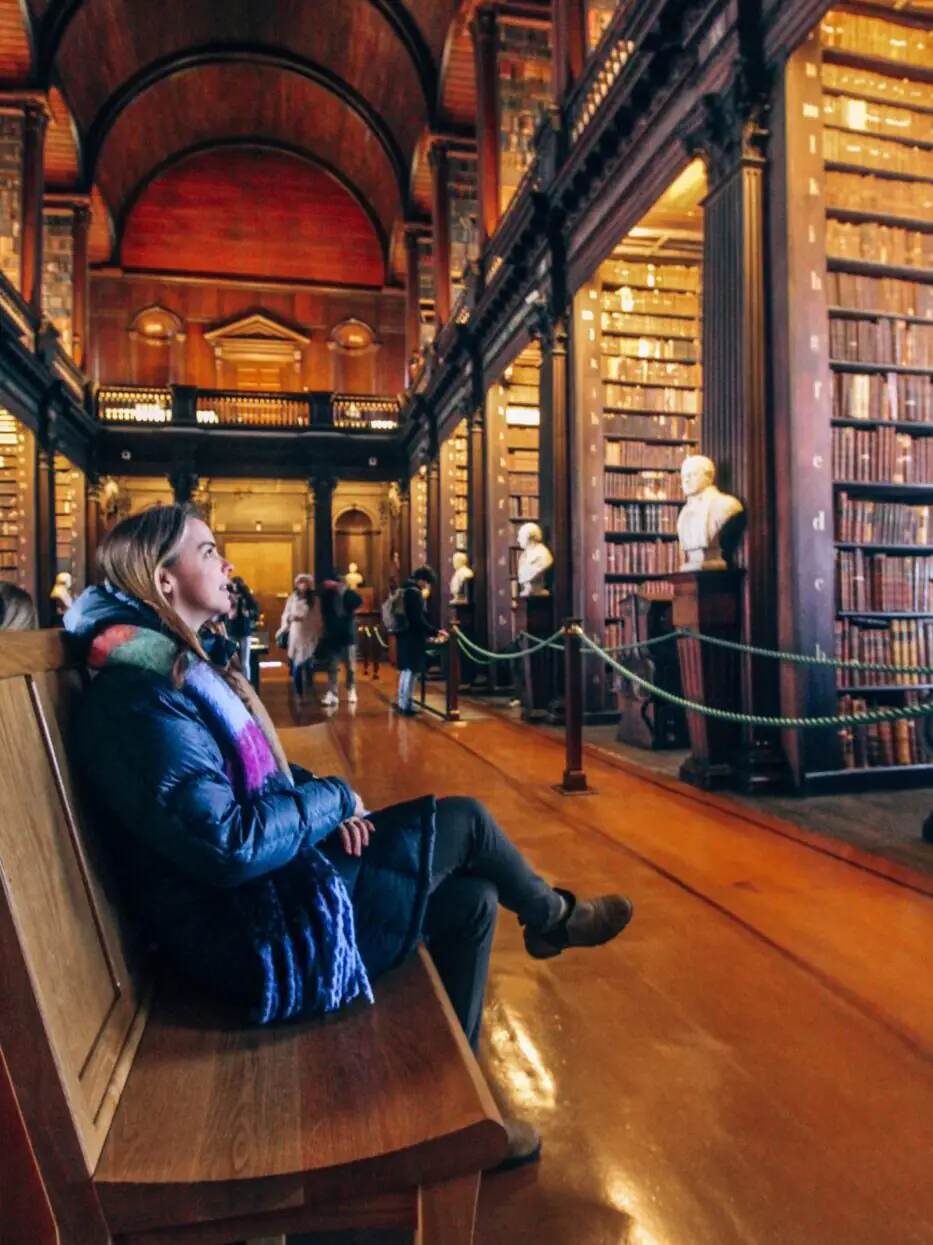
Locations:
{"points": [[646, 371], [905, 642], [863, 521], [523, 484], [868, 151], [888, 295], [646, 486], [882, 455], [895, 396], [870, 116], [652, 520], [658, 557], [876, 87], [656, 427], [675, 348], [685, 278], [862, 192], [900, 342], [886, 583], [525, 507], [867, 35], [616, 593], [673, 401], [650, 302], [523, 460], [644, 454], [651, 326], [875, 243], [880, 743]]}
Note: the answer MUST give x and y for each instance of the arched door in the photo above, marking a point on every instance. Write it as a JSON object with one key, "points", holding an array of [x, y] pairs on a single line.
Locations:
{"points": [[355, 540]]}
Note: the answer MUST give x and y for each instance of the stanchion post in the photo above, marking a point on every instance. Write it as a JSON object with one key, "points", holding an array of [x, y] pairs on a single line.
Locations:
{"points": [[376, 646], [365, 643], [453, 675], [574, 781]]}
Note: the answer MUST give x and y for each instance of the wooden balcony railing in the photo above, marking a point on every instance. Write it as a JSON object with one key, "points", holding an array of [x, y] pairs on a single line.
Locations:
{"points": [[253, 410], [217, 408], [129, 404]]}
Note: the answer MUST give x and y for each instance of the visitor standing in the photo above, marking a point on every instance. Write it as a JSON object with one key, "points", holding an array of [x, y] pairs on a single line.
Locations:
{"points": [[412, 629], [339, 604], [302, 626], [241, 621]]}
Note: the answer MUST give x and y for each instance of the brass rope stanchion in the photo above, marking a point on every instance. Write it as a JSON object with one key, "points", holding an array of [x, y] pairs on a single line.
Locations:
{"points": [[574, 780], [453, 675]]}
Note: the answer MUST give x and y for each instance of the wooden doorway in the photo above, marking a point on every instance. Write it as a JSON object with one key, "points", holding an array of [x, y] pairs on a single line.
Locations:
{"points": [[268, 564]]}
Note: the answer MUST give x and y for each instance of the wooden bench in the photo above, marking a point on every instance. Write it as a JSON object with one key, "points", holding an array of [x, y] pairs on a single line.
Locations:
{"points": [[156, 1118]]}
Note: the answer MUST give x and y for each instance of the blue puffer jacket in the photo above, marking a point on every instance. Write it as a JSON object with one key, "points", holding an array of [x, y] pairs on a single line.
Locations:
{"points": [[192, 852]]}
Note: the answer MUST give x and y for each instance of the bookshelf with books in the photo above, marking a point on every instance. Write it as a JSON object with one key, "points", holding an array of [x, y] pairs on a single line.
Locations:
{"points": [[876, 80], [17, 510], [643, 337], [454, 503], [464, 214], [425, 291], [419, 517], [525, 94], [513, 422], [69, 521]]}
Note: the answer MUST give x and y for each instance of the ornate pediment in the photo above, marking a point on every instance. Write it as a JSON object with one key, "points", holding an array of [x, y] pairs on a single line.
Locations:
{"points": [[256, 336]]}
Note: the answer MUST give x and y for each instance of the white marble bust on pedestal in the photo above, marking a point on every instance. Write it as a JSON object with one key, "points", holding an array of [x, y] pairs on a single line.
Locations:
{"points": [[460, 578], [353, 578], [534, 562], [704, 515]]}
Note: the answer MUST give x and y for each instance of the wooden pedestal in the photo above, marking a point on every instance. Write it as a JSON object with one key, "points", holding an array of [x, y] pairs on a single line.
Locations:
{"points": [[536, 616], [710, 602]]}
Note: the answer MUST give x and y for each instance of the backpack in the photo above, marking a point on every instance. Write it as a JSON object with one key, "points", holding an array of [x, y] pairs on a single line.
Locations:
{"points": [[394, 618]]}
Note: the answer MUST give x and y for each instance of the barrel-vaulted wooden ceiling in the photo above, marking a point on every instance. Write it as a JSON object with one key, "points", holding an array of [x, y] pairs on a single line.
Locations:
{"points": [[142, 86]]}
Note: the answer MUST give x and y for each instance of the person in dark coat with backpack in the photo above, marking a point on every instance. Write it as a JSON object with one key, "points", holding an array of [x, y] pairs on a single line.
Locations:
{"points": [[339, 604], [413, 628], [258, 881]]}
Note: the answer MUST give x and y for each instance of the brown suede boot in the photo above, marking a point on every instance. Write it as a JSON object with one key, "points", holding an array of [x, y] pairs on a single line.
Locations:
{"points": [[589, 923], [524, 1144]]}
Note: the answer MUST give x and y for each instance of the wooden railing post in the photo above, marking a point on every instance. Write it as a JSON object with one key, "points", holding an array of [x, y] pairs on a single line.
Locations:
{"points": [[453, 675], [574, 781]]}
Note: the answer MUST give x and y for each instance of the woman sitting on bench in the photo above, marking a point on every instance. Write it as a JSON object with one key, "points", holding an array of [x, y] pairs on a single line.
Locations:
{"points": [[259, 881]]}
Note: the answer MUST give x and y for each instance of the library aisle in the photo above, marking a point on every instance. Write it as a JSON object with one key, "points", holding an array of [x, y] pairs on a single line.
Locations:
{"points": [[723, 1072]]}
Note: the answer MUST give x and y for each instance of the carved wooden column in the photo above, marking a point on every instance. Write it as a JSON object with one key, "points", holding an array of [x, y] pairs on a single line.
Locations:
{"points": [[404, 529], [184, 481], [46, 544], [569, 34], [554, 459], [434, 531], [412, 299], [93, 526], [478, 506], [323, 486], [737, 428], [440, 241], [35, 121], [483, 30], [81, 225]]}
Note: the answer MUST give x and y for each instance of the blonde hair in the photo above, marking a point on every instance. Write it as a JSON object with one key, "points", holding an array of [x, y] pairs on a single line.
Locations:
{"points": [[17, 612], [131, 557]]}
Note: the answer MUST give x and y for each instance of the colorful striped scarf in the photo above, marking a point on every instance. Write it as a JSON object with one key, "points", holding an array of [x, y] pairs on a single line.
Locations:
{"points": [[300, 918]]}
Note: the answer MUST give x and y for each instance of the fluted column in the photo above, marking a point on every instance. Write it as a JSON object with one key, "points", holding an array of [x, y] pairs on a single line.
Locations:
{"points": [[434, 531], [412, 298], [569, 34], [35, 122], [323, 486], [81, 225], [483, 30], [440, 211]]}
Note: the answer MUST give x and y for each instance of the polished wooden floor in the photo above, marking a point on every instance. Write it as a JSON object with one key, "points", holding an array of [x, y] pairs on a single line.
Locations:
{"points": [[750, 1062]]}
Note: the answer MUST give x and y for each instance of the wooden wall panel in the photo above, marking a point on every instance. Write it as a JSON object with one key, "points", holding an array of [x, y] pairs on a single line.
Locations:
{"points": [[61, 152], [14, 43], [253, 212], [202, 305]]}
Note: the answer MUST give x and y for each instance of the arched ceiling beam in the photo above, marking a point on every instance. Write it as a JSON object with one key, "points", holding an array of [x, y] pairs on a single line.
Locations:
{"points": [[249, 55], [122, 215], [60, 13]]}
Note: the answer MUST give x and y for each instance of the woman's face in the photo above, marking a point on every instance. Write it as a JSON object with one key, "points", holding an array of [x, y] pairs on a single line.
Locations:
{"points": [[196, 584]]}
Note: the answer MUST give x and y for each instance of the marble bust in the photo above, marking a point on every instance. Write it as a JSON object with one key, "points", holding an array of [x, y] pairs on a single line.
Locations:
{"points": [[705, 514], [534, 562], [460, 579], [353, 578]]}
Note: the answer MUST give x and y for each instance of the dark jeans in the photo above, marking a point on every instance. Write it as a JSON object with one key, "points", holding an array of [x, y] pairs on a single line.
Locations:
{"points": [[476, 868]]}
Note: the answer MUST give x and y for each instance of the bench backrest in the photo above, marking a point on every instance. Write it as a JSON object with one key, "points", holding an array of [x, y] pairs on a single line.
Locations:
{"points": [[73, 995]]}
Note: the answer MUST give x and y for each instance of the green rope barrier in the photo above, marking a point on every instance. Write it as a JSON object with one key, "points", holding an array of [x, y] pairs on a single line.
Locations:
{"points": [[470, 647], [378, 634], [623, 648], [801, 659], [892, 714]]}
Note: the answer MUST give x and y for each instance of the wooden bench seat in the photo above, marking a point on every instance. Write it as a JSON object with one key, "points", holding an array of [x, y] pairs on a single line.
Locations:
{"points": [[156, 1118]]}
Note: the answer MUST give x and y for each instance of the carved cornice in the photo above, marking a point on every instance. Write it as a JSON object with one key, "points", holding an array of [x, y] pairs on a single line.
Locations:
{"points": [[731, 129]]}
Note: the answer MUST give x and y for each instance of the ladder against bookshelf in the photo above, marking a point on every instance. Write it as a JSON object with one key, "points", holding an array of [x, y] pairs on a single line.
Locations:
{"points": [[17, 474], [876, 77]]}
